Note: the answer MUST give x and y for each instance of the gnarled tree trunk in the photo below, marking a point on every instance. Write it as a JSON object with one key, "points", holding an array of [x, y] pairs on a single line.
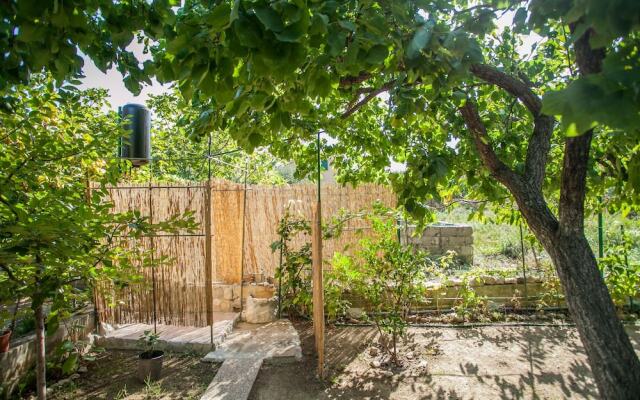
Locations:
{"points": [[614, 363]]}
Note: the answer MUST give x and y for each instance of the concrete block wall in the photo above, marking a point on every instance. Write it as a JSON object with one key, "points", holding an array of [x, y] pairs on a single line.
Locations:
{"points": [[440, 238]]}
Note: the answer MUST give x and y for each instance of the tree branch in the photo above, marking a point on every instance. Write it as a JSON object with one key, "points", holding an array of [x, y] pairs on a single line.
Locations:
{"points": [[540, 140], [514, 86], [354, 80], [10, 274], [373, 93], [482, 141], [530, 201]]}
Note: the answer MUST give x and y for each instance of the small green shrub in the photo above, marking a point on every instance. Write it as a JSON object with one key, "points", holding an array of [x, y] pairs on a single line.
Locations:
{"points": [[551, 294], [469, 305], [622, 276], [295, 273], [389, 277]]}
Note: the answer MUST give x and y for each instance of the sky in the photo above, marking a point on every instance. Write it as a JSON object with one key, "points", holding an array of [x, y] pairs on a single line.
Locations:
{"points": [[119, 95], [113, 81]]}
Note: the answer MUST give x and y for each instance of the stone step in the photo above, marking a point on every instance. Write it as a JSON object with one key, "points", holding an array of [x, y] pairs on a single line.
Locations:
{"points": [[172, 338], [234, 379], [275, 342]]}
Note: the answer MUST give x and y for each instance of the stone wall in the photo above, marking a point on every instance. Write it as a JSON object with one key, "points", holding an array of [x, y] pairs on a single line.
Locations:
{"points": [[21, 356], [438, 239], [497, 291], [226, 297]]}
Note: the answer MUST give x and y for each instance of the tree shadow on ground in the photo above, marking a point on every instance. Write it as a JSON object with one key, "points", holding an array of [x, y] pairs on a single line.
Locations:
{"points": [[486, 363]]}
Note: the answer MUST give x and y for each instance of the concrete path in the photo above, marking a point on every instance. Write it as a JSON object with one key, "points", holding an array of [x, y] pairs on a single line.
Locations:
{"points": [[172, 338], [243, 353], [234, 379]]}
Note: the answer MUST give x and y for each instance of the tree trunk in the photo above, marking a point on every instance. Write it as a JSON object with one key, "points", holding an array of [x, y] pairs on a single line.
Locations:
{"points": [[614, 364], [41, 362]]}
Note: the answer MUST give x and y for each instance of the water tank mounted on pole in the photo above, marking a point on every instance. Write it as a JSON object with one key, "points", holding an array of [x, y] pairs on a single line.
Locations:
{"points": [[137, 146]]}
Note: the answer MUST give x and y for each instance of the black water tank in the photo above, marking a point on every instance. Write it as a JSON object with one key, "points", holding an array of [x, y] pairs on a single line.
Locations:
{"points": [[137, 148]]}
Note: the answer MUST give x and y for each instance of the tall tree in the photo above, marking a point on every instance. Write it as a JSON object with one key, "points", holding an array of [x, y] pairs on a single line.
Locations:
{"points": [[55, 231], [463, 108]]}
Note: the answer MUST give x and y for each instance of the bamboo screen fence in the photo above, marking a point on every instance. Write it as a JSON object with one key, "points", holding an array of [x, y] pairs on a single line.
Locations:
{"points": [[183, 286]]}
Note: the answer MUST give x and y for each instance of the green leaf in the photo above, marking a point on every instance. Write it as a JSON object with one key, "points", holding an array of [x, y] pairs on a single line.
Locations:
{"points": [[336, 41], [269, 18], [220, 17], [235, 11], [377, 54], [53, 323], [70, 364], [319, 23], [420, 40], [520, 19], [292, 33], [348, 25]]}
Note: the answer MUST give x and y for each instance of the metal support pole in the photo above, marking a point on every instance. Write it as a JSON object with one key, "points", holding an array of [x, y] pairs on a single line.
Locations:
{"points": [[152, 246], [208, 249], [626, 262], [524, 265], [600, 235], [244, 212], [280, 280]]}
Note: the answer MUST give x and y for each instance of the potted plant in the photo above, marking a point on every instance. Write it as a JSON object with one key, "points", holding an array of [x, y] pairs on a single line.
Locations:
{"points": [[5, 337], [150, 360]]}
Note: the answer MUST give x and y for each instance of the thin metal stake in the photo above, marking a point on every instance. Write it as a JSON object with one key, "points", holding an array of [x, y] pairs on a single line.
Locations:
{"points": [[209, 266], [626, 262], [524, 266], [280, 280], [152, 245], [244, 212]]}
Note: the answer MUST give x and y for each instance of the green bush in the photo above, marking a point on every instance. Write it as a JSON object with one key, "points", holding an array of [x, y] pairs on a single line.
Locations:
{"points": [[389, 277], [294, 275], [622, 276]]}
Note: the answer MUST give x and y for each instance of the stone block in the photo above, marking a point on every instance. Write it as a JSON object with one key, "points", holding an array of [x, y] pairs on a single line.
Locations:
{"points": [[432, 231], [488, 279], [260, 311], [465, 251], [355, 312]]}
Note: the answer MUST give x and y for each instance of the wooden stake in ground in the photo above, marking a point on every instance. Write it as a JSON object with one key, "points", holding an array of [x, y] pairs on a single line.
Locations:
{"points": [[318, 295]]}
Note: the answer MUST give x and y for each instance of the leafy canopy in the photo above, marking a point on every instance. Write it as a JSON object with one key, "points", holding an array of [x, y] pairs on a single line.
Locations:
{"points": [[275, 72]]}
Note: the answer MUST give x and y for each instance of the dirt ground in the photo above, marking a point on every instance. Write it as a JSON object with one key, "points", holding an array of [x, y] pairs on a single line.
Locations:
{"points": [[442, 363], [112, 376]]}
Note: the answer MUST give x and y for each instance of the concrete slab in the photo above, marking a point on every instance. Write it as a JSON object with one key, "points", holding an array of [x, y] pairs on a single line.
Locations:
{"points": [[234, 379], [275, 342], [173, 338]]}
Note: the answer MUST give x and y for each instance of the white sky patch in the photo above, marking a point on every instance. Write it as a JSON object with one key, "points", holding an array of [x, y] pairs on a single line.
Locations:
{"points": [[119, 95]]}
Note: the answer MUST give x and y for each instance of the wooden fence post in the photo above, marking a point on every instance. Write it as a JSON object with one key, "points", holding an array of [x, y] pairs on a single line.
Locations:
{"points": [[318, 295]]}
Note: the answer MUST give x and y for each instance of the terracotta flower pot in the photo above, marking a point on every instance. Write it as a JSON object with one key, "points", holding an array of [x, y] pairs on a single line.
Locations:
{"points": [[4, 341], [150, 365]]}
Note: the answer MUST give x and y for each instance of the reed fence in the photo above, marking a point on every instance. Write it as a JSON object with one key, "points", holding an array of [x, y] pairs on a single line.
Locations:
{"points": [[237, 224]]}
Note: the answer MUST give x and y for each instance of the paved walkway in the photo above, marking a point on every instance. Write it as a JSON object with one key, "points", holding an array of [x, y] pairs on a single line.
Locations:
{"points": [[243, 353]]}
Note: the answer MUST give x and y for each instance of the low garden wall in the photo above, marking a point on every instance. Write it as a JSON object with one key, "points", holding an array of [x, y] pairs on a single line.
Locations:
{"points": [[497, 291], [21, 356]]}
